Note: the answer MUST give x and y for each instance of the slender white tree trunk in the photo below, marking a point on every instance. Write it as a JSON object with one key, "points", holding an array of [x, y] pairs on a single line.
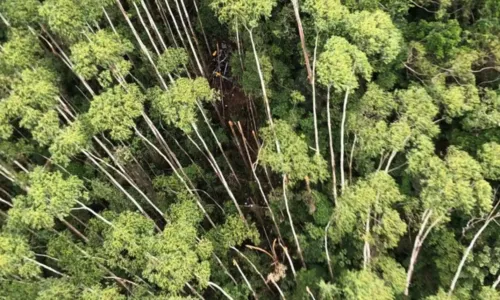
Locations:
{"points": [[342, 130], [295, 4], [299, 250], [417, 245], [263, 194], [200, 108], [332, 153], [146, 29], [497, 281], [313, 85], [366, 247], [220, 289], [491, 217], [190, 42], [141, 44], [202, 28], [245, 279], [253, 266], [222, 178], [264, 92], [290, 262], [328, 260], [153, 24]]}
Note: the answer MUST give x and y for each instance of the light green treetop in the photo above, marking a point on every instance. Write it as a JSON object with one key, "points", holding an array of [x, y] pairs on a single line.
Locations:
{"points": [[418, 109], [33, 100], [14, 250], [127, 243], [327, 13], [116, 109], [364, 285], [102, 293], [489, 156], [244, 12], [375, 34], [71, 140], [486, 115], [294, 159], [177, 106], [172, 59], [104, 50], [340, 63], [458, 99], [21, 51], [49, 196], [20, 13], [179, 256], [377, 194], [453, 183], [69, 18], [82, 268]]}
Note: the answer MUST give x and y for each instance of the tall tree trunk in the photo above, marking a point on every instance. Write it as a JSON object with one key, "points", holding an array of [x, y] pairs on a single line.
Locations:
{"points": [[366, 247], [491, 217], [141, 44], [417, 245], [295, 4], [221, 175], [332, 153], [342, 132], [299, 250], [190, 42], [264, 92], [313, 85], [328, 260]]}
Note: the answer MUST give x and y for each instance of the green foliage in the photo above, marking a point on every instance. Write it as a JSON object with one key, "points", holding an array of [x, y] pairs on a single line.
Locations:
{"points": [[489, 155], [418, 109], [375, 35], [125, 243], [421, 149], [339, 64], [58, 289], [250, 81], [172, 59], [49, 196], [102, 293], [21, 51], [116, 109], [459, 99], [70, 141], [69, 18], [178, 256], [102, 50], [486, 115], [20, 13], [232, 233], [455, 183], [441, 38], [74, 260], [364, 285], [178, 105], [293, 159], [243, 12], [393, 273], [378, 195], [14, 252], [327, 14]]}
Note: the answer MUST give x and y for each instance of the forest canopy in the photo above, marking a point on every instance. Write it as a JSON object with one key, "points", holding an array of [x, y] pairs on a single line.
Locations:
{"points": [[249, 149]]}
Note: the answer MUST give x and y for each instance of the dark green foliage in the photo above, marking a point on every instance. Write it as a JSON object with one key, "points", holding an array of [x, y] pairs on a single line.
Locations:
{"points": [[182, 149]]}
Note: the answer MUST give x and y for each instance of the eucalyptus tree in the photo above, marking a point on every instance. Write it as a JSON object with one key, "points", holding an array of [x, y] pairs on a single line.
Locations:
{"points": [[338, 66], [455, 183], [247, 14]]}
